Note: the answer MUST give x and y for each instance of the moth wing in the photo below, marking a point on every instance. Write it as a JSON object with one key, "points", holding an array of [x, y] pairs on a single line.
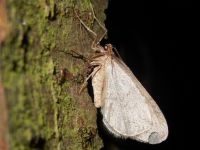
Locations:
{"points": [[125, 110], [128, 110]]}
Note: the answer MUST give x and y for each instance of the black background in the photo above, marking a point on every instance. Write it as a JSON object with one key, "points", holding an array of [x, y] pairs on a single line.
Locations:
{"points": [[155, 39]]}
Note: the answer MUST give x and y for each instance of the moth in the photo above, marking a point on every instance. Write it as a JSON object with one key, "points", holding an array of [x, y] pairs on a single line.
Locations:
{"points": [[127, 108]]}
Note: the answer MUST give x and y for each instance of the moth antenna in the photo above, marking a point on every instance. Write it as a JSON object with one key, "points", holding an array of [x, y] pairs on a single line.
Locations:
{"points": [[102, 26], [94, 43]]}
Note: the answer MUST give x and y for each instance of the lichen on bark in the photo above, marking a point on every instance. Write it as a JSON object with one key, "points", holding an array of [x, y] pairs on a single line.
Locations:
{"points": [[43, 112]]}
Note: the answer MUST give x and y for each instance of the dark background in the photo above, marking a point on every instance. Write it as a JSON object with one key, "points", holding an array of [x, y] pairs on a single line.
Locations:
{"points": [[155, 39]]}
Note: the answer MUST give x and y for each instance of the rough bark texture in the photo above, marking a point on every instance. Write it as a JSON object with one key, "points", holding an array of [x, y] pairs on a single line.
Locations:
{"points": [[45, 110]]}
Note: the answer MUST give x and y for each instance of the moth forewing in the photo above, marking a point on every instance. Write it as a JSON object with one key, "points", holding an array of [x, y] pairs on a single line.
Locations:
{"points": [[159, 129]]}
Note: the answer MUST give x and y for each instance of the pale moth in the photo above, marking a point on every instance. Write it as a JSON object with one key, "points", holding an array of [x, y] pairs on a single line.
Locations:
{"points": [[127, 108]]}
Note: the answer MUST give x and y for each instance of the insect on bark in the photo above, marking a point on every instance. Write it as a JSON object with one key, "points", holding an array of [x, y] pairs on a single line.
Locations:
{"points": [[127, 108]]}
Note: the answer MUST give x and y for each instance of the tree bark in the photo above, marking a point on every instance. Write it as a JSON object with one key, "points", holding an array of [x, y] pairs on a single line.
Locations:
{"points": [[45, 110]]}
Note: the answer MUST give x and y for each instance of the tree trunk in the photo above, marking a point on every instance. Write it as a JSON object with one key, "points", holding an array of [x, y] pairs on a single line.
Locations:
{"points": [[45, 110]]}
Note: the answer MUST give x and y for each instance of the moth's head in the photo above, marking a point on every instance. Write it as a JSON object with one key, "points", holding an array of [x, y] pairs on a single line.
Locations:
{"points": [[109, 49], [106, 50]]}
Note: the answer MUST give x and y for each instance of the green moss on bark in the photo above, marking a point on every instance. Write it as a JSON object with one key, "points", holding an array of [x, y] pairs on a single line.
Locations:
{"points": [[43, 113]]}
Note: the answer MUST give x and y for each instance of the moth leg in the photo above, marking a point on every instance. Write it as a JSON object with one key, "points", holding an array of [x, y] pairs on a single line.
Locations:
{"points": [[83, 86], [80, 56]]}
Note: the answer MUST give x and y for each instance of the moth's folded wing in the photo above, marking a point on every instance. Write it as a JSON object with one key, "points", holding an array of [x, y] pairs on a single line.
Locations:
{"points": [[159, 129], [125, 111]]}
